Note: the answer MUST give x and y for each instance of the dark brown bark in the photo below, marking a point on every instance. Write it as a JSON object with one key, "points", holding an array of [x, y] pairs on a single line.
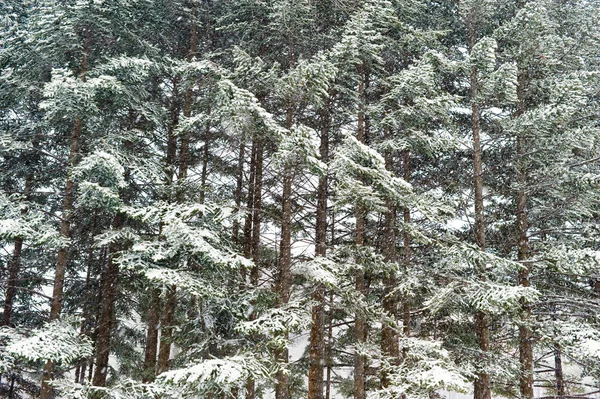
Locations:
{"points": [[558, 372], [317, 331], [238, 191], [251, 240], [407, 250], [389, 336], [204, 172], [14, 265], [256, 211], [482, 383], [152, 337], [329, 354], [109, 290], [360, 328], [62, 256], [525, 334], [166, 331], [247, 247], [285, 262]]}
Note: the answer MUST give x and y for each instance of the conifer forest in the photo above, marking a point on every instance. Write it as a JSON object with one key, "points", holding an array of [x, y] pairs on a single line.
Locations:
{"points": [[285, 199]]}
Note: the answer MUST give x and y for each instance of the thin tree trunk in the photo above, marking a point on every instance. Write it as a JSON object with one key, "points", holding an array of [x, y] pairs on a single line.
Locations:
{"points": [[558, 372], [109, 296], [360, 328], [247, 247], [88, 304], [317, 331], [482, 383], [389, 337], [248, 243], [204, 173], [166, 331], [329, 354], [284, 275], [407, 250], [252, 227], [256, 211], [65, 233], [14, 266], [525, 335], [238, 191], [152, 337]]}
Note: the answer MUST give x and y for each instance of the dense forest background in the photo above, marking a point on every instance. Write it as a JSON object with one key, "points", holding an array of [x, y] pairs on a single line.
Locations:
{"points": [[299, 198]]}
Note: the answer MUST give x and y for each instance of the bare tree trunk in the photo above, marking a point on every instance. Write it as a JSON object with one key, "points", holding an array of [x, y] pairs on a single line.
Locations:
{"points": [[247, 247], [558, 372], [14, 266], [389, 337], [152, 337], [65, 227], [407, 250], [248, 242], [525, 335], [317, 331], [166, 331], [238, 191], [285, 261], [360, 328], [329, 354], [256, 211], [482, 384], [109, 296]]}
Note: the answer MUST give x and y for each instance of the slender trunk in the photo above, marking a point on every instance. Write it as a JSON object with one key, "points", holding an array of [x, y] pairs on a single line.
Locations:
{"points": [[184, 150], [389, 337], [89, 302], [525, 335], [360, 330], [482, 383], [247, 247], [329, 354], [204, 173], [62, 256], [238, 191], [558, 372], [14, 266], [284, 275], [317, 331], [170, 160], [250, 247], [166, 331], [109, 296], [152, 337], [407, 251], [256, 211]]}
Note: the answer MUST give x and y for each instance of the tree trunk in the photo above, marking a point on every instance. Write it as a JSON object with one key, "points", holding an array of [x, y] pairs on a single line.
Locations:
{"points": [[109, 296], [285, 261], [525, 335], [558, 372], [360, 330], [247, 247], [249, 238], [62, 256], [389, 337], [14, 266], [407, 251], [238, 191], [317, 331], [482, 384], [166, 331], [152, 337]]}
